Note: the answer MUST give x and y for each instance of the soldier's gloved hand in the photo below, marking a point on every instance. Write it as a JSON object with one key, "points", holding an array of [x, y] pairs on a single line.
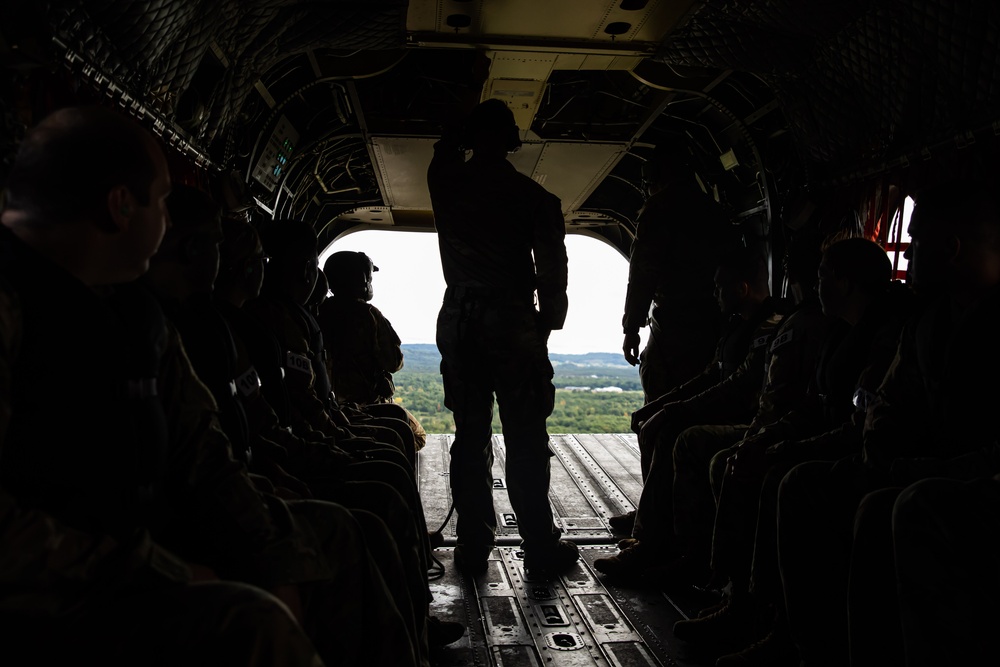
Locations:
{"points": [[202, 572], [321, 460], [357, 447], [342, 457], [905, 471], [289, 594], [286, 486], [630, 346], [340, 418], [749, 459], [650, 428], [643, 414]]}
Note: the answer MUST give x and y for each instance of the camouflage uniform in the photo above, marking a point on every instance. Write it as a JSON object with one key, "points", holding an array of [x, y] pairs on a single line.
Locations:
{"points": [[363, 350], [680, 235], [946, 535], [501, 237], [727, 404], [789, 362], [934, 417], [742, 337], [304, 379], [827, 425], [94, 521], [362, 353], [221, 362]]}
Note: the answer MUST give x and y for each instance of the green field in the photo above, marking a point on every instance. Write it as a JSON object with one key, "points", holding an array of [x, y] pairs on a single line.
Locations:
{"points": [[579, 410]]}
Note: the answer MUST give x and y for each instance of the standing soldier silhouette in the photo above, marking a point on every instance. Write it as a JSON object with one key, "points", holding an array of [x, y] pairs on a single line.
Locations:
{"points": [[501, 238], [680, 235]]}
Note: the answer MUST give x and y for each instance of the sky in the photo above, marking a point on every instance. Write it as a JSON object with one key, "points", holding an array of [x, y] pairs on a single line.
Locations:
{"points": [[409, 286]]}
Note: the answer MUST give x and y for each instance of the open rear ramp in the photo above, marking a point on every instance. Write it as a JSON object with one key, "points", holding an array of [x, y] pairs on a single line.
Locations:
{"points": [[578, 618]]}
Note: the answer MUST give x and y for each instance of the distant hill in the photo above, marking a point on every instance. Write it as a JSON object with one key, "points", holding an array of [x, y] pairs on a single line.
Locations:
{"points": [[596, 392], [421, 358], [425, 358]]}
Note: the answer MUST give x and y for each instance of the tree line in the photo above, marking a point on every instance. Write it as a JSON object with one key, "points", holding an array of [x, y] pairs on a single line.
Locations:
{"points": [[575, 411]]}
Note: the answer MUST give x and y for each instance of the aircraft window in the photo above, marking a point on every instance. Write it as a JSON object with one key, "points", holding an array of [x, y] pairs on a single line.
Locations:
{"points": [[899, 240], [409, 286]]}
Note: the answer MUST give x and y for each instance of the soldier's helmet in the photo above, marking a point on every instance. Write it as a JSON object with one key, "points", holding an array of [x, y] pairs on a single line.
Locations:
{"points": [[349, 273], [493, 118]]}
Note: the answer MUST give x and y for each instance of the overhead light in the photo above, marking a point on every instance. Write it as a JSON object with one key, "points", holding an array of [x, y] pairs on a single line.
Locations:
{"points": [[729, 160]]}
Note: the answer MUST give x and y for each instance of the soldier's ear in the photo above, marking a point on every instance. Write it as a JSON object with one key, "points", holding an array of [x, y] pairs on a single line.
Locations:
{"points": [[121, 204]]}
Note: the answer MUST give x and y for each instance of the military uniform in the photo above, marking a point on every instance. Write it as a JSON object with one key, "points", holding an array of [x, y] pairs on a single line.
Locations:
{"points": [[741, 338], [727, 404], [363, 350], [135, 479], [680, 235], [368, 485], [787, 367], [933, 418], [826, 425], [501, 238], [946, 535]]}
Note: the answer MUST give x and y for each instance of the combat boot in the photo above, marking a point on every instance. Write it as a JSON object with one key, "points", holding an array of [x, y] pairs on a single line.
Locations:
{"points": [[632, 561], [472, 560], [681, 571], [552, 560], [441, 633], [622, 523], [736, 622], [775, 649]]}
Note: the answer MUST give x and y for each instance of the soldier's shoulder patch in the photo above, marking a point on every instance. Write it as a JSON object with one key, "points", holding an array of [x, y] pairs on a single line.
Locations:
{"points": [[298, 362], [248, 382], [782, 339], [760, 341], [864, 399]]}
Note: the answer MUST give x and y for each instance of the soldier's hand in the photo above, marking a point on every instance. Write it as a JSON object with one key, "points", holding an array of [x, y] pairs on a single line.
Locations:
{"points": [[630, 346], [749, 459], [289, 594], [650, 429], [202, 572], [286, 486], [643, 414]]}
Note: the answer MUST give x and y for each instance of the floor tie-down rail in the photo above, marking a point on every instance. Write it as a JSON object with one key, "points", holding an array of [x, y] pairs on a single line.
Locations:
{"points": [[577, 619]]}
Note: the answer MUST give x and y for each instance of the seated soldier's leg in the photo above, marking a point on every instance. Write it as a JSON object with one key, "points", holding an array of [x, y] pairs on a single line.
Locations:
{"points": [[397, 411], [654, 437], [385, 437], [732, 539], [382, 500], [203, 624], [387, 465], [947, 546], [410, 596], [694, 499], [662, 440], [403, 480], [817, 502], [765, 580], [389, 410], [875, 638], [742, 619], [772, 644], [653, 532], [350, 614], [677, 349], [654, 523]]}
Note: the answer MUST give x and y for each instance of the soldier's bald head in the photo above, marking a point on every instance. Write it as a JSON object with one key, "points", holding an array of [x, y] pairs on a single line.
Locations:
{"points": [[69, 161]]}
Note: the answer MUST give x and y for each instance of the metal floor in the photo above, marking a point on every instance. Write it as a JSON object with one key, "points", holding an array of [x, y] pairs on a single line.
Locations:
{"points": [[578, 619]]}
